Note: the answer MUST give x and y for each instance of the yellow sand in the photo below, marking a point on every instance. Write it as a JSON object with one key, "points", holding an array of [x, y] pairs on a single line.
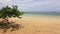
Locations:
{"points": [[37, 25]]}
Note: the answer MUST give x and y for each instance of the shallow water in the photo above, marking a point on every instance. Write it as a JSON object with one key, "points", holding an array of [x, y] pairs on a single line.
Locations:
{"points": [[39, 14]]}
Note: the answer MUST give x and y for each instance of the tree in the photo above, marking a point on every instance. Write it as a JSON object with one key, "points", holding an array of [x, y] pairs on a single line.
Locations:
{"points": [[8, 12]]}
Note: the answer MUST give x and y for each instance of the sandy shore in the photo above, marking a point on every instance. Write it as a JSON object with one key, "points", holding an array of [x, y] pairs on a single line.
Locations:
{"points": [[37, 25]]}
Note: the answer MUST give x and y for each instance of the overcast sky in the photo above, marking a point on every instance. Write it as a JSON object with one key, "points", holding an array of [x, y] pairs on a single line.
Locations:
{"points": [[33, 5]]}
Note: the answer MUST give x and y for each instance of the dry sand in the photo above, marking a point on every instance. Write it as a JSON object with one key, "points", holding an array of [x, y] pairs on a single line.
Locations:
{"points": [[37, 25]]}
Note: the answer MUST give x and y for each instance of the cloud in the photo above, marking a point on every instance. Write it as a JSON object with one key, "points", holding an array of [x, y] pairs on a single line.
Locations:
{"points": [[33, 5], [46, 5]]}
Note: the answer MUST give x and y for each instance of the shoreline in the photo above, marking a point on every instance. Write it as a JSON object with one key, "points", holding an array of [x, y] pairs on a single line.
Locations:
{"points": [[52, 16]]}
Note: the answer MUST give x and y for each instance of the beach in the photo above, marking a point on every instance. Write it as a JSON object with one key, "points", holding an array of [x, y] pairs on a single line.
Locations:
{"points": [[36, 25]]}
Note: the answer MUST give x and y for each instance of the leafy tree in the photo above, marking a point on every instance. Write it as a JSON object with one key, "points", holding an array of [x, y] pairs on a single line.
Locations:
{"points": [[8, 12]]}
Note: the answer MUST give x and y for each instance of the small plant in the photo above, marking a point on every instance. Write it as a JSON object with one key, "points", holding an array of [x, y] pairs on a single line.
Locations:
{"points": [[6, 13]]}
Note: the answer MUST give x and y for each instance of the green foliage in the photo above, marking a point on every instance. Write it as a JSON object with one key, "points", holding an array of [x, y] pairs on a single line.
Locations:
{"points": [[10, 12]]}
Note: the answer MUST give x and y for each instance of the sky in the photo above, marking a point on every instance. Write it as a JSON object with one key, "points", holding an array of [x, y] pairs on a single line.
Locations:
{"points": [[33, 5]]}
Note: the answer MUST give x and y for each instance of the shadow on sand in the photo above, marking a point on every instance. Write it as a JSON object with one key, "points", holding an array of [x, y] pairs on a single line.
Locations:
{"points": [[10, 25]]}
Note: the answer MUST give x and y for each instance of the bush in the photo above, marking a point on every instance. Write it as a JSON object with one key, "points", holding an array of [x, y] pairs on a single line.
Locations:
{"points": [[6, 13]]}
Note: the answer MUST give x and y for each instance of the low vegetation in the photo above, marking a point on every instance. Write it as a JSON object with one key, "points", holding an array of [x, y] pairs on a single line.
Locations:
{"points": [[9, 12]]}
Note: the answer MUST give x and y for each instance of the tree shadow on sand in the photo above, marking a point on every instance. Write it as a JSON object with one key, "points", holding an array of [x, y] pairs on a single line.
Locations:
{"points": [[10, 25]]}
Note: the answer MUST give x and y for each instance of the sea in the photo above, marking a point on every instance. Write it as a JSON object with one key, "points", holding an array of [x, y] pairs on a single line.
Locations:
{"points": [[55, 14]]}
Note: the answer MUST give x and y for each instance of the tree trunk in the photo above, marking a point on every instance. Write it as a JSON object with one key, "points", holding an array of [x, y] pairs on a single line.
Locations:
{"points": [[6, 20]]}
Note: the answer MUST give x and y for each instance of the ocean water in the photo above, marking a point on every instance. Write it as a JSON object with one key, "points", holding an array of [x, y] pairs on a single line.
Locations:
{"points": [[56, 14]]}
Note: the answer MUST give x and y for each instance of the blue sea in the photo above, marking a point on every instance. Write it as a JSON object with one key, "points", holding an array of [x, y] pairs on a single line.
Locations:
{"points": [[57, 14]]}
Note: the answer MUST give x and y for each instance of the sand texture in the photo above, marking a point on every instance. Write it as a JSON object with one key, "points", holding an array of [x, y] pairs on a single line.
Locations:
{"points": [[36, 25]]}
